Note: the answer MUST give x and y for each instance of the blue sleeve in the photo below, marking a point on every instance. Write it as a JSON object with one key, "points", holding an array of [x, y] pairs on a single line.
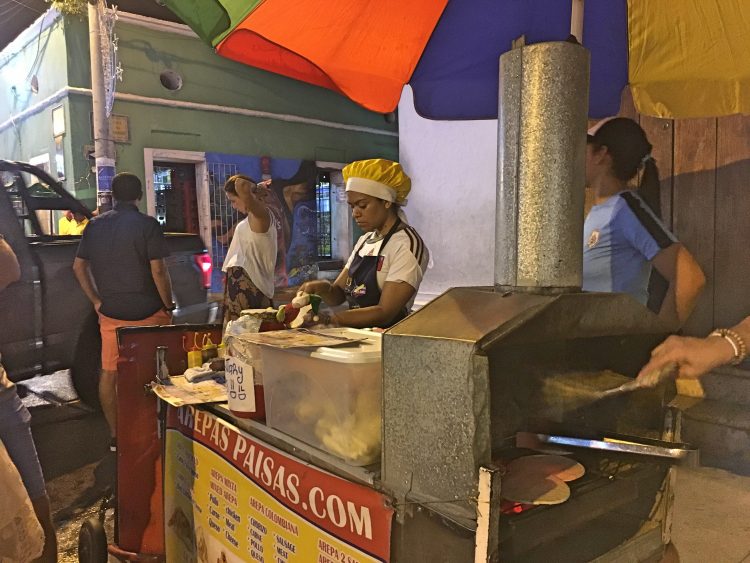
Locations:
{"points": [[641, 228]]}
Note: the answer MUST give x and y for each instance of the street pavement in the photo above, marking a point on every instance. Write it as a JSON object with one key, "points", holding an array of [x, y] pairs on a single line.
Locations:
{"points": [[711, 516], [73, 445]]}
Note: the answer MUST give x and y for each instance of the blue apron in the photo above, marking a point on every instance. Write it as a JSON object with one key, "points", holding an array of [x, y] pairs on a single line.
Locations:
{"points": [[361, 287]]}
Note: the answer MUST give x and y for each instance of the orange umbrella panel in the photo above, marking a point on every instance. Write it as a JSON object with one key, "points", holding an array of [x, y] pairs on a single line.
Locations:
{"points": [[364, 50]]}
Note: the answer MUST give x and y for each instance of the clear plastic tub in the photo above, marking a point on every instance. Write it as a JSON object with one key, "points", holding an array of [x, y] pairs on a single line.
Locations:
{"points": [[328, 397]]}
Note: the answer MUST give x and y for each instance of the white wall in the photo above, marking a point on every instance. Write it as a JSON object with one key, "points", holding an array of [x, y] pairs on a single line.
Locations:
{"points": [[452, 204]]}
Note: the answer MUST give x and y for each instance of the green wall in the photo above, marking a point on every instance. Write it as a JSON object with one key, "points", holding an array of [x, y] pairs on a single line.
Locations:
{"points": [[41, 54], [209, 79]]}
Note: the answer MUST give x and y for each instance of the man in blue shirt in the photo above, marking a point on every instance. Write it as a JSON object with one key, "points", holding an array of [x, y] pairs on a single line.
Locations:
{"points": [[121, 267]]}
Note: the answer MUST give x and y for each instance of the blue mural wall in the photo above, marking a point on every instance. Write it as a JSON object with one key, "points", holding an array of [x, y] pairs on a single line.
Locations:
{"points": [[292, 204]]}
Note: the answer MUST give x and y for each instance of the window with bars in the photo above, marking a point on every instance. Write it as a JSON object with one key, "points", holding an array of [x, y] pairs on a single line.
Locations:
{"points": [[323, 209], [223, 217]]}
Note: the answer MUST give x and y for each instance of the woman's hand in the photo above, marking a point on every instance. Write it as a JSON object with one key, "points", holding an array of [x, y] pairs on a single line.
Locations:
{"points": [[244, 188], [252, 195], [693, 356], [318, 287], [321, 320]]}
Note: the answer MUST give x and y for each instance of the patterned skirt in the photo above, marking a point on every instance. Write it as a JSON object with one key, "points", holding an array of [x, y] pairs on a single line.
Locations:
{"points": [[240, 293]]}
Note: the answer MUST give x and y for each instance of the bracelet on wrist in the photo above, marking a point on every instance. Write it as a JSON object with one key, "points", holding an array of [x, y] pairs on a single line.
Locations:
{"points": [[736, 342]]}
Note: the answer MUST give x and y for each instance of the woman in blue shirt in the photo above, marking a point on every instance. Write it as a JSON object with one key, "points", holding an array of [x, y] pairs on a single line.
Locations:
{"points": [[623, 239]]}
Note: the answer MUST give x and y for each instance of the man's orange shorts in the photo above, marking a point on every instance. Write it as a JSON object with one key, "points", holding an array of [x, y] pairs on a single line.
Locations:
{"points": [[108, 328]]}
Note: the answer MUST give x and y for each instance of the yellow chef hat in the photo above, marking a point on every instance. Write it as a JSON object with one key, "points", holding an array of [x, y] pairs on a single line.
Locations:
{"points": [[379, 178]]}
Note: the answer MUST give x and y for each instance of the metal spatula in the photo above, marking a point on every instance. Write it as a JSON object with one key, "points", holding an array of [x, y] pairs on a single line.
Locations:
{"points": [[651, 379], [566, 393]]}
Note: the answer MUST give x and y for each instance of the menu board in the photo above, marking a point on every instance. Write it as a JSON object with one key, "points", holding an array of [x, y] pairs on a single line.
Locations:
{"points": [[232, 498]]}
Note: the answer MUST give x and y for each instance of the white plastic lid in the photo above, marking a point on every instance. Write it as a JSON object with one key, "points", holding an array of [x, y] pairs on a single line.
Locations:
{"points": [[365, 352]]}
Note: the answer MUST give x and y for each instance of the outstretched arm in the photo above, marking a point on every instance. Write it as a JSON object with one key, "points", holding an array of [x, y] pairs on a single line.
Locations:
{"points": [[696, 356], [252, 196]]}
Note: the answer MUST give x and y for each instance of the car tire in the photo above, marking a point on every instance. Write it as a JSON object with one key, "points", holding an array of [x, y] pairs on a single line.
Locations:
{"points": [[87, 363], [92, 542]]}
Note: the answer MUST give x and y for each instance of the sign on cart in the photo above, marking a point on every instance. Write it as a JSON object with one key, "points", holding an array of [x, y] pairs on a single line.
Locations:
{"points": [[230, 497]]}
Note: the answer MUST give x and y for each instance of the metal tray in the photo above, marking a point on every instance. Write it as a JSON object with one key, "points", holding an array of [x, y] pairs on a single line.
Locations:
{"points": [[675, 452]]}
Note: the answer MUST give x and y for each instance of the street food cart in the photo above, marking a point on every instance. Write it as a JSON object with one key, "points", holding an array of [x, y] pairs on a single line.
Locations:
{"points": [[468, 385], [196, 483]]}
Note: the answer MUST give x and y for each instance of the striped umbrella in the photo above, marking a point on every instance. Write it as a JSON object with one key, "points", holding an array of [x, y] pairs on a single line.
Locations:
{"points": [[681, 59]]}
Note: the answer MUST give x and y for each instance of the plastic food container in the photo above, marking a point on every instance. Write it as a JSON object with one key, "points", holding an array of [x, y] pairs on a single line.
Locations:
{"points": [[328, 397]]}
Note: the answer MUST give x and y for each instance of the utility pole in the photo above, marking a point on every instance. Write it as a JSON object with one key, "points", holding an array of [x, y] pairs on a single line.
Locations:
{"points": [[104, 147]]}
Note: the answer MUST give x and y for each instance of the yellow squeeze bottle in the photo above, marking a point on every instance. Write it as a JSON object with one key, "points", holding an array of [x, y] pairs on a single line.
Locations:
{"points": [[195, 354], [209, 350]]}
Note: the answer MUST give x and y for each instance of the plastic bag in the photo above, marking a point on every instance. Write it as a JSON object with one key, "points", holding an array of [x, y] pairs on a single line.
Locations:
{"points": [[21, 535], [246, 323]]}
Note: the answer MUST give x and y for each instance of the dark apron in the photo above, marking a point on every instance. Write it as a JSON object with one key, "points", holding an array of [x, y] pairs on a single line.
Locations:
{"points": [[362, 284]]}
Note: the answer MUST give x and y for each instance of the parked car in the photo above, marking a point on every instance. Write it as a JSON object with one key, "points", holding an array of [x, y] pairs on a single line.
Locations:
{"points": [[48, 323]]}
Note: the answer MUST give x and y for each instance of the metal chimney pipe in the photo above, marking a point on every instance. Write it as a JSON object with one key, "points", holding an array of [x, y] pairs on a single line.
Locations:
{"points": [[542, 118]]}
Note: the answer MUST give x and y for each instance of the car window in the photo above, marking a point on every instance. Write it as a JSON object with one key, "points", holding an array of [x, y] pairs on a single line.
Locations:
{"points": [[38, 188]]}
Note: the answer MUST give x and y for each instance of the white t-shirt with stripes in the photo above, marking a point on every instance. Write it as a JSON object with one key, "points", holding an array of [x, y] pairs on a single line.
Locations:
{"points": [[404, 258]]}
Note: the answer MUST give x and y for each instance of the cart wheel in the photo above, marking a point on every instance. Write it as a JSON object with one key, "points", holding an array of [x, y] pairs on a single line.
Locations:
{"points": [[92, 542]]}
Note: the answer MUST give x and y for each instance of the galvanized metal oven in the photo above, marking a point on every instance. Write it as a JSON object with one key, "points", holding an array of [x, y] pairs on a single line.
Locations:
{"points": [[465, 375]]}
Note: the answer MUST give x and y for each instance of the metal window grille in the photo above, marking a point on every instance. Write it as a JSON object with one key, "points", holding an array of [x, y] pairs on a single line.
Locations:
{"points": [[323, 207], [162, 184], [223, 217]]}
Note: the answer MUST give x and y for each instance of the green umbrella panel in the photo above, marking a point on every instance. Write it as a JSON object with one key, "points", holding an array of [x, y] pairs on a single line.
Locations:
{"points": [[212, 20]]}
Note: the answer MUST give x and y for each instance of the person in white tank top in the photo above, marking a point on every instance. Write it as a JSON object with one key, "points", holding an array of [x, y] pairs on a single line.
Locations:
{"points": [[251, 259]]}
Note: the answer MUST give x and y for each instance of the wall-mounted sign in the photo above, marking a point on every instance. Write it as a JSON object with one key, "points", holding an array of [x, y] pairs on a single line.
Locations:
{"points": [[58, 121], [119, 128]]}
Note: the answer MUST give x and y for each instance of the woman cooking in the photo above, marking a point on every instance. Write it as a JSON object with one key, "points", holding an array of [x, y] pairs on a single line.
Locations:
{"points": [[383, 273]]}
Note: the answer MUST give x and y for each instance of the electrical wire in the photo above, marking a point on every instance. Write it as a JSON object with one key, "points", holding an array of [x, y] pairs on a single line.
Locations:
{"points": [[13, 8], [38, 49], [32, 8]]}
